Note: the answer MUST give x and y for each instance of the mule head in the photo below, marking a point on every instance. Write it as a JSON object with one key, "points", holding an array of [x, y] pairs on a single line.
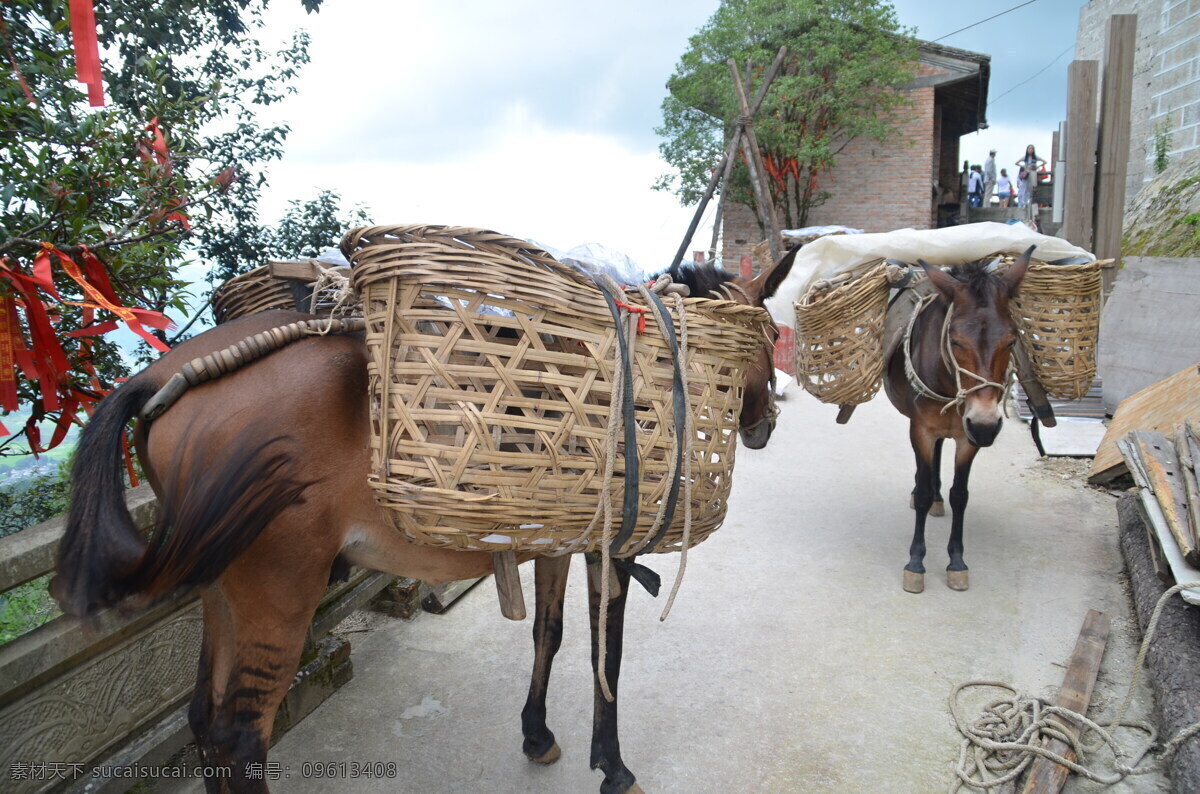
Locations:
{"points": [[979, 339], [757, 420]]}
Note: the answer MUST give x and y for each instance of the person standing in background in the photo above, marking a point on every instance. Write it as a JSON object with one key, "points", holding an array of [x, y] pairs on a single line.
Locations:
{"points": [[1004, 187], [989, 178], [975, 187], [1028, 175]]}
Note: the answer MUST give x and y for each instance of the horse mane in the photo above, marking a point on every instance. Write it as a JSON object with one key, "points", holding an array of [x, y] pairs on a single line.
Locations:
{"points": [[982, 283], [700, 279]]}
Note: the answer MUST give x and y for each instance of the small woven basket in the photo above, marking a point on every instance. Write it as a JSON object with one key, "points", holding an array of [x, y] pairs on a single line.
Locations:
{"points": [[1057, 312], [839, 338], [258, 291], [490, 432]]}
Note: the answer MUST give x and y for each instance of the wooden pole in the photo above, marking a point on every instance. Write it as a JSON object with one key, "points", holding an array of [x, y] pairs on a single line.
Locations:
{"points": [[508, 585], [721, 172], [1046, 776], [762, 196], [1082, 78], [1115, 104]]}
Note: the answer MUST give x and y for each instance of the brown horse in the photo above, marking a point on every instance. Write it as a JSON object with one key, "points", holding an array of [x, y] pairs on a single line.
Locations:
{"points": [[262, 481], [948, 377]]}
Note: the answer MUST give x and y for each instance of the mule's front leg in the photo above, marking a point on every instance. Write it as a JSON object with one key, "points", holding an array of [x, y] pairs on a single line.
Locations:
{"points": [[956, 572], [923, 447], [606, 746], [550, 578]]}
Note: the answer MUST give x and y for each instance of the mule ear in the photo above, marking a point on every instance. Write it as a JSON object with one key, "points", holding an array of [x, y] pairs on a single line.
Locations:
{"points": [[1014, 275], [766, 283], [939, 278]]}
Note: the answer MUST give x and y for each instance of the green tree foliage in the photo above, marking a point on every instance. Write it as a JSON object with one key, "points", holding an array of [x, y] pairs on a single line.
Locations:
{"points": [[847, 57], [73, 175], [310, 227]]}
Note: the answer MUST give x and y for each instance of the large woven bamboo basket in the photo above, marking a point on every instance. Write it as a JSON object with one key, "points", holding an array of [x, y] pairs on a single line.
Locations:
{"points": [[258, 291], [839, 337], [491, 431], [1057, 312]]}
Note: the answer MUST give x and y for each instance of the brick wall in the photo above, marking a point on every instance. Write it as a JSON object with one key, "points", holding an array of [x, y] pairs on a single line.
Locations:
{"points": [[873, 187], [1166, 75]]}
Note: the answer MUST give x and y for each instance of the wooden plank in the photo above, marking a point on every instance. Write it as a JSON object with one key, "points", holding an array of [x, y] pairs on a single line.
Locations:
{"points": [[1159, 407], [1082, 79], [1046, 776], [304, 271], [1113, 141], [508, 585], [1161, 466], [442, 596]]}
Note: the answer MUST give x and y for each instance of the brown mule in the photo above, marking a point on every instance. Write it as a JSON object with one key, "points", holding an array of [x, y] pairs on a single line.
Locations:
{"points": [[262, 480], [948, 378]]}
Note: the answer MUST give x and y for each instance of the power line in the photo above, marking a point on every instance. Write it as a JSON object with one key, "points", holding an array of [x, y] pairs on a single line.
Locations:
{"points": [[1035, 74], [989, 19]]}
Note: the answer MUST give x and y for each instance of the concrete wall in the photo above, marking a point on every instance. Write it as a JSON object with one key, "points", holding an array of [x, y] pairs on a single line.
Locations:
{"points": [[1166, 81]]}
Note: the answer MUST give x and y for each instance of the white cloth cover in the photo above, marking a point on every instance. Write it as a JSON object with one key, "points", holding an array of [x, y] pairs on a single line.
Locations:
{"points": [[954, 245]]}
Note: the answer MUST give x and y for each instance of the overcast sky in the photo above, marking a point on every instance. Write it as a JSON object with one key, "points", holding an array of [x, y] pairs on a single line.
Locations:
{"points": [[536, 118]]}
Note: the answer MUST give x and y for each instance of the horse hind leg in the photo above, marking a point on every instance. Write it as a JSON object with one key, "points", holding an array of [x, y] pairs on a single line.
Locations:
{"points": [[606, 744], [261, 613], [550, 580]]}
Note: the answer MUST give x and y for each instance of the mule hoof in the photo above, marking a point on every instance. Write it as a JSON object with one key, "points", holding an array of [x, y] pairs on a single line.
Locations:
{"points": [[548, 757], [937, 509], [634, 789], [914, 582], [958, 580]]}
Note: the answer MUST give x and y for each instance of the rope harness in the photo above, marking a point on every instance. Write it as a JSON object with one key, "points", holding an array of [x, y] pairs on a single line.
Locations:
{"points": [[1008, 736], [949, 361]]}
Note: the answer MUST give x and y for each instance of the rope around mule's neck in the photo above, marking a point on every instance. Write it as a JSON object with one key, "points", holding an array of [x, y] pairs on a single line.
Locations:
{"points": [[1009, 735], [948, 361]]}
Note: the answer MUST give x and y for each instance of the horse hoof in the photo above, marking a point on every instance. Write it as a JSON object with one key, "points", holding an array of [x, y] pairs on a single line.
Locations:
{"points": [[548, 757], [958, 580], [914, 582], [937, 509]]}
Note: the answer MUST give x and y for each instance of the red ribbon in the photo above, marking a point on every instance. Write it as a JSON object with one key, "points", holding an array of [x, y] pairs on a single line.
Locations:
{"points": [[87, 50], [44, 360]]}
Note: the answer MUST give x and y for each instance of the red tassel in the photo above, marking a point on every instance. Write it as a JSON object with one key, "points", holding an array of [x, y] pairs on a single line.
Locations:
{"points": [[87, 49]]}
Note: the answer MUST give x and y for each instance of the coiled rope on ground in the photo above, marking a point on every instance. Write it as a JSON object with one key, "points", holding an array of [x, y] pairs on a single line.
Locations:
{"points": [[1008, 735]]}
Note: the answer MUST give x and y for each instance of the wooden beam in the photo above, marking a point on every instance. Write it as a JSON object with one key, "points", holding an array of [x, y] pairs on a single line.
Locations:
{"points": [[441, 597], [1082, 78], [508, 585], [753, 155], [1113, 147], [304, 271], [721, 172], [1046, 776]]}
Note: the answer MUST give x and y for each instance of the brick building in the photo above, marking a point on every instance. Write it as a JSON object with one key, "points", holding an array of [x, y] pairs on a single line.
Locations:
{"points": [[1166, 76], [877, 187]]}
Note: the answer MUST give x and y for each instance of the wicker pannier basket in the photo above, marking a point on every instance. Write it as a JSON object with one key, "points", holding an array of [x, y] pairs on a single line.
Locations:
{"points": [[258, 291], [839, 338], [1057, 312], [490, 432]]}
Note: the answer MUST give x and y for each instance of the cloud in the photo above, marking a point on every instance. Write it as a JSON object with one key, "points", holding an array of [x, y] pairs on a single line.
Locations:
{"points": [[560, 188]]}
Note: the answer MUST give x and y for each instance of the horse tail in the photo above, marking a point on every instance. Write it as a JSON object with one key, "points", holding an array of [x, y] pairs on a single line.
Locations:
{"points": [[207, 516]]}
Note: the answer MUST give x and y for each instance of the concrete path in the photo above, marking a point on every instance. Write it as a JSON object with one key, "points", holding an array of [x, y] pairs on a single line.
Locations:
{"points": [[792, 662]]}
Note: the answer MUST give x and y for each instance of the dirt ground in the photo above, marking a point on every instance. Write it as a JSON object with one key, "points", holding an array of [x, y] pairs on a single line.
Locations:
{"points": [[792, 661]]}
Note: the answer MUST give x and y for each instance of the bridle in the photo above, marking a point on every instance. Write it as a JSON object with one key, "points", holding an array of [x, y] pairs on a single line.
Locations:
{"points": [[771, 413], [949, 361]]}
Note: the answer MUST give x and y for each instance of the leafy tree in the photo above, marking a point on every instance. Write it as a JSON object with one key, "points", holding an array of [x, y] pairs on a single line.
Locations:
{"points": [[308, 228], [838, 84], [170, 168]]}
